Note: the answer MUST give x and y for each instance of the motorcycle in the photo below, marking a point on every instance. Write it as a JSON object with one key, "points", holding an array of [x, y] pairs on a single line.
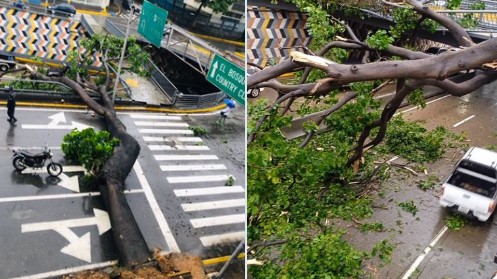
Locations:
{"points": [[23, 159]]}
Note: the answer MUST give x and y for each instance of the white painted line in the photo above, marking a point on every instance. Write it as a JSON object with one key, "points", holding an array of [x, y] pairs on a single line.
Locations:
{"points": [[198, 178], [218, 220], [178, 147], [184, 157], [462, 121], [160, 124], [192, 167], [63, 196], [29, 148], [165, 131], [65, 271], [215, 239], [208, 191], [427, 103], [159, 216], [151, 116], [420, 258], [170, 139], [212, 205]]}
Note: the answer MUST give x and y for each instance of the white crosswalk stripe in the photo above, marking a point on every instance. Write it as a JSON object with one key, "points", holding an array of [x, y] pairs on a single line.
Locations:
{"points": [[178, 147], [193, 172], [192, 167]]}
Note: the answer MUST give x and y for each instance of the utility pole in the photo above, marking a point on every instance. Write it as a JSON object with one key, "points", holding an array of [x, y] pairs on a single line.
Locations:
{"points": [[123, 52]]}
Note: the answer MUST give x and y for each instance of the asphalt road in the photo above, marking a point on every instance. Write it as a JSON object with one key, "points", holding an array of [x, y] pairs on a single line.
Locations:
{"points": [[55, 226], [424, 247]]}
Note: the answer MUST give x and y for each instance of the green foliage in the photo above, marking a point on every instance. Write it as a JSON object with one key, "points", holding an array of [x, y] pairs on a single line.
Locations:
{"points": [[230, 181], [455, 222], [219, 6], [380, 40], [89, 148], [429, 183], [410, 140], [319, 24], [383, 250], [367, 227], [405, 21], [136, 58], [325, 256], [409, 206], [453, 4], [416, 98], [198, 131]]}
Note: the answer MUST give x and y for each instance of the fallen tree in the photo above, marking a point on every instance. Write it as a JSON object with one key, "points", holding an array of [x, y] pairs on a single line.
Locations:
{"points": [[131, 245], [410, 69], [305, 193]]}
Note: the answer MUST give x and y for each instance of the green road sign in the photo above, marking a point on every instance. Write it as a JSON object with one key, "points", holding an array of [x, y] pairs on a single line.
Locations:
{"points": [[152, 21], [228, 77]]}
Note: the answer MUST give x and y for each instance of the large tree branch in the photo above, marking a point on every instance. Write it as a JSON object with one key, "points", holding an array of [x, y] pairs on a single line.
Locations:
{"points": [[439, 67], [455, 29]]}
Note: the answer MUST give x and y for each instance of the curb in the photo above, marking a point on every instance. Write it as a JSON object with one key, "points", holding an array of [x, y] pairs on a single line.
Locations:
{"points": [[118, 108]]}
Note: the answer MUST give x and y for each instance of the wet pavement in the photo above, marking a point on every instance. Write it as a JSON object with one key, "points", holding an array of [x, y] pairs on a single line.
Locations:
{"points": [[424, 247], [64, 223]]}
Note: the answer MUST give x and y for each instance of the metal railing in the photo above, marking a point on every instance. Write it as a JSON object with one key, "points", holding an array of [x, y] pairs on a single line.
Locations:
{"points": [[198, 101], [484, 21], [178, 98], [162, 82]]}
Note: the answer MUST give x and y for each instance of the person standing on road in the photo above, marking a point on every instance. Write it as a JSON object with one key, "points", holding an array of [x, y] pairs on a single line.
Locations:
{"points": [[11, 105], [230, 104]]}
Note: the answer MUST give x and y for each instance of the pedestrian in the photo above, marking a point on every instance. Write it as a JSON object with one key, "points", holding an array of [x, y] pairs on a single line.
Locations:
{"points": [[230, 104], [11, 105]]}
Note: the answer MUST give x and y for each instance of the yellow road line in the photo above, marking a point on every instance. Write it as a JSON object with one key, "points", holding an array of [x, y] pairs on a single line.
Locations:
{"points": [[121, 108], [220, 259]]}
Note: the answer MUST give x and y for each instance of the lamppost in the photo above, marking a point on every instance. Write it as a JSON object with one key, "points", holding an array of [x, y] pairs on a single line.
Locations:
{"points": [[123, 52]]}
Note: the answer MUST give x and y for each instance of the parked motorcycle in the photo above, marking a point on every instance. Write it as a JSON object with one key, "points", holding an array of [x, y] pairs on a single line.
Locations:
{"points": [[23, 159]]}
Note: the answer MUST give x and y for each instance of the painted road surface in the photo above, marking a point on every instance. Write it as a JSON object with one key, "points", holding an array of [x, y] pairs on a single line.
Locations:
{"points": [[64, 223], [424, 247]]}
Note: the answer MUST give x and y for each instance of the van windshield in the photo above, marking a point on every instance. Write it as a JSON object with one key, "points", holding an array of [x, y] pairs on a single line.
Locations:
{"points": [[475, 178]]}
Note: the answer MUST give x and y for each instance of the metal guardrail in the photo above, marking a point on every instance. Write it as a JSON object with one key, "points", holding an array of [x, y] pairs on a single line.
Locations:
{"points": [[178, 98], [484, 21], [198, 101], [124, 86], [162, 82]]}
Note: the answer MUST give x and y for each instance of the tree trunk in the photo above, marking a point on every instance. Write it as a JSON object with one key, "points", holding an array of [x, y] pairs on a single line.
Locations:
{"points": [[128, 238]]}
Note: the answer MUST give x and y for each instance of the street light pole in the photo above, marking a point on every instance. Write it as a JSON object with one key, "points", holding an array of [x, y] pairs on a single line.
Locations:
{"points": [[123, 52]]}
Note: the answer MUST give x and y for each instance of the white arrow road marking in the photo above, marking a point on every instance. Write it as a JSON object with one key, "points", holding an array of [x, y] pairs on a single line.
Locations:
{"points": [[78, 247], [70, 183], [57, 118], [74, 169], [74, 124], [65, 168], [214, 67]]}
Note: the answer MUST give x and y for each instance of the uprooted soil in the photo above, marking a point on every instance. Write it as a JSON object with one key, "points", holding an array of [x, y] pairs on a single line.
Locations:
{"points": [[162, 267]]}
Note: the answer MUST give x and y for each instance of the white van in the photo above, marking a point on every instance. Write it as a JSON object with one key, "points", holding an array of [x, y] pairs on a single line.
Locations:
{"points": [[471, 188]]}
